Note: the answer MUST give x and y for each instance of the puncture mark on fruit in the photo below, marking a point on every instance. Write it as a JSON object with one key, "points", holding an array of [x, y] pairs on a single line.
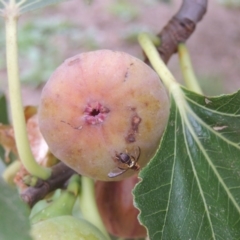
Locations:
{"points": [[126, 75], [125, 161], [135, 121], [77, 128], [95, 113]]}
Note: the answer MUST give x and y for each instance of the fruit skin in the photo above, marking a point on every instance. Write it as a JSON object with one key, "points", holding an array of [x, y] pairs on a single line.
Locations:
{"points": [[64, 228], [99, 104], [115, 205]]}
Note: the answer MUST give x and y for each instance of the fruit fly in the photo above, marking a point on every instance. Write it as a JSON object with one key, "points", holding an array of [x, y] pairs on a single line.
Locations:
{"points": [[126, 161]]}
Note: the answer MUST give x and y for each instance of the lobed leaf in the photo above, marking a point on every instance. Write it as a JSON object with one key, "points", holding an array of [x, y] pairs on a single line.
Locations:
{"points": [[191, 188]]}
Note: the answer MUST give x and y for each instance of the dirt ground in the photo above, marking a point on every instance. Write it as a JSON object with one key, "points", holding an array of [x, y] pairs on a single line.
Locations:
{"points": [[214, 46]]}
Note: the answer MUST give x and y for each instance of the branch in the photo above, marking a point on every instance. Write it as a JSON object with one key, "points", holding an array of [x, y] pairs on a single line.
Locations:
{"points": [[180, 27], [60, 174]]}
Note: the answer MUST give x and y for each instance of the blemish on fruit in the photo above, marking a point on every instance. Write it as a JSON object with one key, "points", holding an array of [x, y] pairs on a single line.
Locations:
{"points": [[77, 127], [148, 126], [76, 60], [127, 72], [95, 113], [126, 75], [130, 138], [135, 121]]}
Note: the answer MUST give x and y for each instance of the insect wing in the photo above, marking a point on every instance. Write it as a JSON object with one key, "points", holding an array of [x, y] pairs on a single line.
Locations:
{"points": [[137, 152], [116, 172]]}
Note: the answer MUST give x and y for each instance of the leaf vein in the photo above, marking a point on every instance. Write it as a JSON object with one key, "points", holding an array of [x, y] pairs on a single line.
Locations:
{"points": [[211, 110]]}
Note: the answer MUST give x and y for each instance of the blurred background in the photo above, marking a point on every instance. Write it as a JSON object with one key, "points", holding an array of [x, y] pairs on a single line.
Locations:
{"points": [[48, 36]]}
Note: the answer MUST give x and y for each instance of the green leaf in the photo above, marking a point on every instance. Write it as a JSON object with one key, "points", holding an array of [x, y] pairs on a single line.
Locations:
{"points": [[13, 213], [191, 188]]}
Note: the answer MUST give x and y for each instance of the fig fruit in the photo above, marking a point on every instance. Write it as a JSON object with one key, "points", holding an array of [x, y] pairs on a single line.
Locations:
{"points": [[65, 227], [115, 205], [103, 114]]}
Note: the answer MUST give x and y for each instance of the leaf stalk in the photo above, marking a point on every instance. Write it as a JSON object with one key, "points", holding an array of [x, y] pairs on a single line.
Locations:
{"points": [[157, 63], [160, 67], [18, 119], [187, 69]]}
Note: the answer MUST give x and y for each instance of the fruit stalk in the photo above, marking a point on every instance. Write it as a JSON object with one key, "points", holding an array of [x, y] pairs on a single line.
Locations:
{"points": [[157, 63], [187, 69], [18, 120], [161, 69], [88, 205]]}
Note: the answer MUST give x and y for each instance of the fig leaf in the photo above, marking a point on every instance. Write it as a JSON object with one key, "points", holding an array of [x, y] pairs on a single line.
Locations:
{"points": [[191, 188]]}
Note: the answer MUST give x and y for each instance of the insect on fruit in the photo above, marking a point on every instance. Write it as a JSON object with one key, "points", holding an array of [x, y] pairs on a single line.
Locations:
{"points": [[126, 161]]}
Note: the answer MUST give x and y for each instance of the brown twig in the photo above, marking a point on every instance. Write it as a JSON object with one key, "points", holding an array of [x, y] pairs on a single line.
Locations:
{"points": [[60, 174], [180, 27]]}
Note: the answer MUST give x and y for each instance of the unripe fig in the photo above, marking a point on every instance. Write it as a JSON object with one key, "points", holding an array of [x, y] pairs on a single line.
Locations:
{"points": [[65, 227], [115, 205], [103, 114]]}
